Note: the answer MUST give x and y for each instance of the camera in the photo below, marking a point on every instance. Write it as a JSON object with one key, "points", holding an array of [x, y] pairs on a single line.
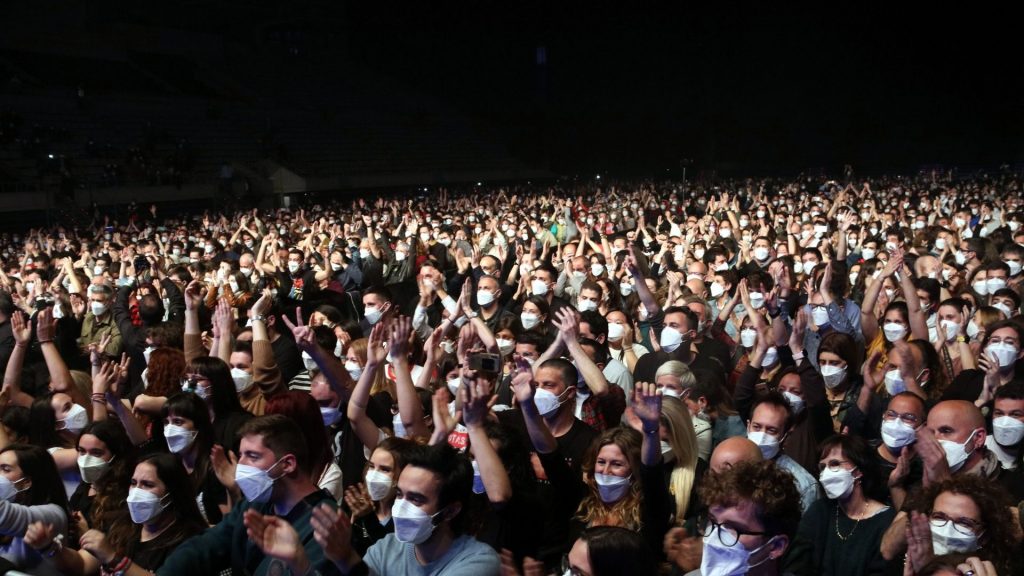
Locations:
{"points": [[141, 263], [484, 362]]}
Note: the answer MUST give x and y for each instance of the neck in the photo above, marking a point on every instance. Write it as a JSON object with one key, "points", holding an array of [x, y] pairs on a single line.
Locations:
{"points": [[561, 422], [188, 459], [615, 344], [153, 529], [293, 492], [436, 546], [889, 454], [854, 504]]}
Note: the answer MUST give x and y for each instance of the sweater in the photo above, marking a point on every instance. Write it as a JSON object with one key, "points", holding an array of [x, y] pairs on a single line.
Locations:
{"points": [[465, 557]]}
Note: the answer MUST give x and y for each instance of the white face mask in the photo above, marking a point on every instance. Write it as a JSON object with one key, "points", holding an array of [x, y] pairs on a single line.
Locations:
{"points": [[995, 284], [143, 505], [528, 320], [981, 287], [670, 339], [748, 337], [330, 415], [896, 433], [718, 559], [1006, 310], [625, 288], [547, 402], [505, 346], [538, 287], [308, 362], [867, 253], [372, 315], [796, 403], [98, 308], [1014, 266], [756, 300], [378, 484], [717, 290], [972, 329], [586, 305], [178, 438], [242, 379], [768, 444], [255, 483], [9, 489], [956, 453], [611, 488], [947, 539], [354, 369], [1007, 430], [293, 267], [597, 269], [894, 383], [837, 484], [894, 331], [92, 467], [484, 298], [1002, 352], [952, 329], [761, 253], [615, 331], [819, 315], [833, 376], [771, 356], [75, 420], [412, 525]]}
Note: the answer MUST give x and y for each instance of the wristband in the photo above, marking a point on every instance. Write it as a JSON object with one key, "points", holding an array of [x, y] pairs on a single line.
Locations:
{"points": [[258, 318], [45, 341]]}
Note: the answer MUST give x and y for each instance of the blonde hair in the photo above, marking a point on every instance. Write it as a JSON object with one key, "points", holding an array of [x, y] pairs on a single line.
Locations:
{"points": [[380, 380], [679, 370], [675, 416], [625, 512]]}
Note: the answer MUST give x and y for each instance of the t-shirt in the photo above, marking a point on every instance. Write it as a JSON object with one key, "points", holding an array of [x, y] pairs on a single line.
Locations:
{"points": [[466, 556]]}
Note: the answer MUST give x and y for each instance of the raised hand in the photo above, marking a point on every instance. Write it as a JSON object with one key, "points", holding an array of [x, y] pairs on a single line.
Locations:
{"points": [[358, 500], [21, 329], [46, 325], [647, 405], [477, 396], [398, 339], [333, 531], [224, 464], [193, 299], [262, 306], [305, 338]]}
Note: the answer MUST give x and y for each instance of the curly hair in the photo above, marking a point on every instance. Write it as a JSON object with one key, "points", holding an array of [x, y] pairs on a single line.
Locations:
{"points": [[998, 539], [164, 372], [770, 488], [625, 512]]}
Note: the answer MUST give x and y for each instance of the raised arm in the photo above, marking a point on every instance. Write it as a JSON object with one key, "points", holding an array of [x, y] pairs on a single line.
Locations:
{"points": [[365, 429], [475, 394], [569, 327], [60, 376], [12, 375], [523, 387]]}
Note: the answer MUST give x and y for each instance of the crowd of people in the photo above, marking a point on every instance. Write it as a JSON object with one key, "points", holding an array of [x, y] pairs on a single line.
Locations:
{"points": [[629, 378]]}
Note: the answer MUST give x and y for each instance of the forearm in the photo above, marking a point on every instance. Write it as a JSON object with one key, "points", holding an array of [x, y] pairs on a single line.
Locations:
{"points": [[592, 374], [492, 471], [540, 435], [410, 409], [60, 376], [12, 377]]}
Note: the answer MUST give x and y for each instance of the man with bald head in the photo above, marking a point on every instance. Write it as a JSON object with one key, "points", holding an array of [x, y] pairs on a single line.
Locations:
{"points": [[733, 450], [952, 441]]}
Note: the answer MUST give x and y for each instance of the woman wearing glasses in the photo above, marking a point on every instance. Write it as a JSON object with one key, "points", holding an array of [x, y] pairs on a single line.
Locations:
{"points": [[845, 529], [963, 515]]}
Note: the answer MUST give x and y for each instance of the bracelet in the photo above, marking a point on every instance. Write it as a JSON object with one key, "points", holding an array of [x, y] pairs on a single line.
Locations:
{"points": [[655, 431], [45, 341], [258, 318], [56, 545]]}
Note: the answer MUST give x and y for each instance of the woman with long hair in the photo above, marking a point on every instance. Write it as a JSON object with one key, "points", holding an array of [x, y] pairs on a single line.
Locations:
{"points": [[210, 378], [31, 491], [105, 461], [683, 467], [161, 514], [370, 501], [675, 380], [186, 428]]}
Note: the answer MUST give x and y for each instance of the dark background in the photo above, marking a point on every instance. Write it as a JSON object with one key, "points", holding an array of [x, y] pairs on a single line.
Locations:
{"points": [[644, 88]]}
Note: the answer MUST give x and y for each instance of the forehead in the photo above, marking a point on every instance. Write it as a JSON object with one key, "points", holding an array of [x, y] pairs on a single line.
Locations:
{"points": [[769, 414], [252, 443], [902, 404], [743, 512], [145, 471], [956, 505], [420, 481], [9, 458], [611, 452], [549, 375], [88, 442]]}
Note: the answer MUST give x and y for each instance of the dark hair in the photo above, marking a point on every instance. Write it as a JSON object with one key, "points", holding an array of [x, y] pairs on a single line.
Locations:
{"points": [[614, 550], [112, 487], [305, 412], [382, 291], [17, 419], [36, 463], [598, 325], [453, 471], [856, 451], [600, 350], [190, 521], [43, 431], [842, 345], [998, 541], [1013, 390], [151, 309], [776, 399], [566, 369], [223, 398], [191, 406], [281, 435]]}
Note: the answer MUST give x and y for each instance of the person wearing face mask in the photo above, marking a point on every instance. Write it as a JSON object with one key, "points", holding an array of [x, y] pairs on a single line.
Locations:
{"points": [[326, 340], [676, 343], [105, 461], [771, 420], [845, 528], [151, 313], [994, 366], [903, 416], [966, 516], [1006, 300], [683, 467], [828, 310], [161, 514], [30, 495], [430, 516], [620, 340], [273, 476], [371, 499], [98, 322], [489, 303], [674, 379], [297, 282], [753, 516], [1007, 425]]}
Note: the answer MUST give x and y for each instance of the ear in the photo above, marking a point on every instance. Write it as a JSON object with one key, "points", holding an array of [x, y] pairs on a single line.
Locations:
{"points": [[926, 376], [778, 546], [451, 511], [979, 438]]}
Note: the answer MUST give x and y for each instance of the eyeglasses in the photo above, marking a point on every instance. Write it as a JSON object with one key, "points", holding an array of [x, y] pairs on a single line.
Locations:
{"points": [[906, 417], [833, 465], [727, 536], [965, 526]]}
